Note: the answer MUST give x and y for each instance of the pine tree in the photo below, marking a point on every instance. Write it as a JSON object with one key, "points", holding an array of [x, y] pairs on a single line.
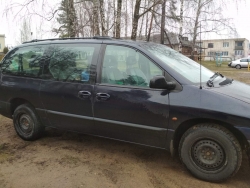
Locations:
{"points": [[67, 19]]}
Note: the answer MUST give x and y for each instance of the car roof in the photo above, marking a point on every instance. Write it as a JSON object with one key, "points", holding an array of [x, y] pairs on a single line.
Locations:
{"points": [[93, 40]]}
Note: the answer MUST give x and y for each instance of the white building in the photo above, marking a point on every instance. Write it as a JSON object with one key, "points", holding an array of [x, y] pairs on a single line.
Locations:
{"points": [[226, 48], [2, 42]]}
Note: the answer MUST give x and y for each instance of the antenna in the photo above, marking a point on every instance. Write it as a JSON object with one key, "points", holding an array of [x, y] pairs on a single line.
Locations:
{"points": [[200, 57]]}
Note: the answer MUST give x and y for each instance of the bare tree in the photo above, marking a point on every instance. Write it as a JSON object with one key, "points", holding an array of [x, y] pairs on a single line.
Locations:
{"points": [[163, 20], [118, 18], [25, 31], [96, 17], [103, 21], [137, 16], [150, 25], [181, 26], [207, 18]]}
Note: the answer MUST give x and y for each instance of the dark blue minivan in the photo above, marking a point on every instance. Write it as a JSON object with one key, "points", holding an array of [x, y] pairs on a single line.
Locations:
{"points": [[137, 92]]}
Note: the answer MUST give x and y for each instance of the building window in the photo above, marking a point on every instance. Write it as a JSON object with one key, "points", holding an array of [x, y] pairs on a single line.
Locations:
{"points": [[200, 44], [239, 43], [225, 44], [238, 52], [224, 53], [210, 45], [210, 53]]}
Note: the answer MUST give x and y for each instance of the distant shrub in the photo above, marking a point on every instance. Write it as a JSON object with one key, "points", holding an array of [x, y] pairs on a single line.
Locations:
{"points": [[5, 50]]}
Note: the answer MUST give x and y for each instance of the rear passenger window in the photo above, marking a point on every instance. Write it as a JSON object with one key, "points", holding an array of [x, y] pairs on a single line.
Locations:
{"points": [[125, 66], [26, 61], [243, 60], [68, 62]]}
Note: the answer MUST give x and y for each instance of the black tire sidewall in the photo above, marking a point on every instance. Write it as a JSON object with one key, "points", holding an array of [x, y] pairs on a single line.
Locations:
{"points": [[238, 66], [230, 152], [28, 110]]}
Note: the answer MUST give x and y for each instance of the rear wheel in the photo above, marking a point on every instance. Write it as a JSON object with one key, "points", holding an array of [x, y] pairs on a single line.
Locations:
{"points": [[210, 152], [27, 123], [238, 66]]}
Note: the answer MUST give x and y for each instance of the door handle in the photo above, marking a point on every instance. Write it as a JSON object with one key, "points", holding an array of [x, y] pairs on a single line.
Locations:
{"points": [[84, 94], [102, 96]]}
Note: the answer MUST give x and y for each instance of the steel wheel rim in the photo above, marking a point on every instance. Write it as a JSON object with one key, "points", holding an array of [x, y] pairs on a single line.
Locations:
{"points": [[25, 124], [208, 155]]}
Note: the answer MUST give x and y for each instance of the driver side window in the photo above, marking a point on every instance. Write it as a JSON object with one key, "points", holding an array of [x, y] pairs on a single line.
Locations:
{"points": [[125, 66]]}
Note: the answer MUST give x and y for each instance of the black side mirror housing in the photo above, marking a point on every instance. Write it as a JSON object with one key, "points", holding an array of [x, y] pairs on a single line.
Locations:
{"points": [[159, 82]]}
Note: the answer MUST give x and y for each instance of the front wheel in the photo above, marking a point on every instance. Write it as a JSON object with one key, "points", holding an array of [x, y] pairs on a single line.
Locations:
{"points": [[210, 152], [238, 66], [27, 123]]}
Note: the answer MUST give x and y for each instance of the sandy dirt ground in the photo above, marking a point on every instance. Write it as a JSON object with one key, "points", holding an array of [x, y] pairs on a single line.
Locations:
{"points": [[62, 159]]}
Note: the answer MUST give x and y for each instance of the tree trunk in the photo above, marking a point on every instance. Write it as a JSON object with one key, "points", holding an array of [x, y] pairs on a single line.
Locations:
{"points": [[135, 19], [150, 26], [163, 21], [126, 19], [196, 25], [96, 17], [170, 44], [114, 19], [108, 16], [181, 27], [140, 32], [72, 21], [146, 29], [118, 18], [103, 21], [137, 16]]}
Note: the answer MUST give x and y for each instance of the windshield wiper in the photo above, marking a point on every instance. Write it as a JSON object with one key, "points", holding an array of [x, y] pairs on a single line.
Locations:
{"points": [[210, 82]]}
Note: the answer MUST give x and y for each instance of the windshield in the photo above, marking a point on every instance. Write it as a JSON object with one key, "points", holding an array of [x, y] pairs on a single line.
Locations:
{"points": [[180, 63]]}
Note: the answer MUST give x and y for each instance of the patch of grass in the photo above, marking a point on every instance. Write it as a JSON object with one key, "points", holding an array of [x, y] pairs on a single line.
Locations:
{"points": [[67, 159], [242, 75], [4, 155]]}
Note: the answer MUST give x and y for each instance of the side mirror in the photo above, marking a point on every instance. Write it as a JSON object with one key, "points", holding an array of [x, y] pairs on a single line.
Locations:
{"points": [[159, 82]]}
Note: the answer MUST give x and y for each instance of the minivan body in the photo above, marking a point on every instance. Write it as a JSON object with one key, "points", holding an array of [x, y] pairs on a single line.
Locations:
{"points": [[137, 92]]}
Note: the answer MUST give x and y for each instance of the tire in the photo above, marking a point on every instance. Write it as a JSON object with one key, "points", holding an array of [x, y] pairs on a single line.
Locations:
{"points": [[210, 152], [27, 123], [238, 66]]}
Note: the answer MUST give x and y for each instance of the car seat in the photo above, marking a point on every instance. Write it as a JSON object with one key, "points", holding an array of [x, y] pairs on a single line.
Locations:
{"points": [[135, 75], [111, 74]]}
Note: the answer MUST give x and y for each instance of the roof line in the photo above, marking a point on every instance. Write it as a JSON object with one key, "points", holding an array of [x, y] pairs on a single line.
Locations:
{"points": [[95, 37]]}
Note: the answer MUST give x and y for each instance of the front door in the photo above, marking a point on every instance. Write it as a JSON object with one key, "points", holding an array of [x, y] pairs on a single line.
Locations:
{"points": [[67, 87], [125, 107]]}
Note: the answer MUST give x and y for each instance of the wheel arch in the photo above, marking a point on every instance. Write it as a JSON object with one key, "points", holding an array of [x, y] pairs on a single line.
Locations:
{"points": [[238, 65], [15, 102], [183, 127]]}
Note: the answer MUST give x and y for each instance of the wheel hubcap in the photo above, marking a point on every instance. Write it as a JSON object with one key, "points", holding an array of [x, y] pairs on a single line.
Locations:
{"points": [[25, 123], [208, 154]]}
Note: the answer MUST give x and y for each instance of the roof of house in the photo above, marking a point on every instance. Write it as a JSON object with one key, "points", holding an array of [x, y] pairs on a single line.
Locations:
{"points": [[173, 38], [2, 35]]}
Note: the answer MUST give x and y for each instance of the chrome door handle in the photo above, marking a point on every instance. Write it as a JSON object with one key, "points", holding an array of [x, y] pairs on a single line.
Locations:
{"points": [[102, 96], [84, 94]]}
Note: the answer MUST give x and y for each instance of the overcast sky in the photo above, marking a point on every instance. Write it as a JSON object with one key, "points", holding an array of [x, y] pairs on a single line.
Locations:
{"points": [[10, 26]]}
